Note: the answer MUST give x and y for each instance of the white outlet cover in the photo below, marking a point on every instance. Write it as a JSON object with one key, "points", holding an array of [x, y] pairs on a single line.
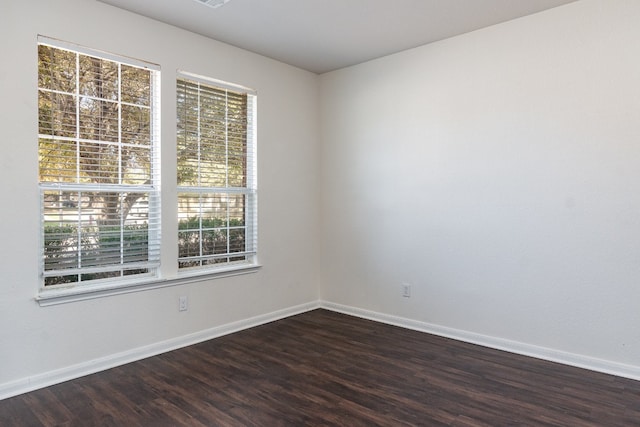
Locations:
{"points": [[183, 304], [406, 290]]}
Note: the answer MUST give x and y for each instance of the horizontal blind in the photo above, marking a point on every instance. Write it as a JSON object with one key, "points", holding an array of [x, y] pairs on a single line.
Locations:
{"points": [[99, 166], [217, 200]]}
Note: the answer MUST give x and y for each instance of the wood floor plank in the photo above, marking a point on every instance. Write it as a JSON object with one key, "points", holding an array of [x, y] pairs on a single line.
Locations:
{"points": [[327, 369]]}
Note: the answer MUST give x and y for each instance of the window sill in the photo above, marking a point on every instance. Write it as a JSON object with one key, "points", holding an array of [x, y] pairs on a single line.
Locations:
{"points": [[62, 296]]}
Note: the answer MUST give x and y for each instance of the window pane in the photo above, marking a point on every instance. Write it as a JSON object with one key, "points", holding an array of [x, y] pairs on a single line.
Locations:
{"points": [[136, 85], [237, 166], [213, 168], [236, 203], [135, 244], [61, 208], [214, 241], [56, 69], [60, 246], [98, 78], [188, 207], [59, 280], [211, 209], [136, 125], [57, 160], [136, 165], [56, 114], [214, 210], [236, 240], [187, 138], [187, 264], [189, 243], [187, 167], [98, 120], [99, 163], [100, 244], [61, 230], [101, 275]]}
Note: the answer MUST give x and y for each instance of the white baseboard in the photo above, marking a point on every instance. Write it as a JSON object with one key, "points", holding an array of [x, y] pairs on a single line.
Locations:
{"points": [[46, 379], [580, 361]]}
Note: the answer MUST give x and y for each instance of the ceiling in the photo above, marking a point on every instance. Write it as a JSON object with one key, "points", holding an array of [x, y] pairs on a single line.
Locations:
{"points": [[324, 35]]}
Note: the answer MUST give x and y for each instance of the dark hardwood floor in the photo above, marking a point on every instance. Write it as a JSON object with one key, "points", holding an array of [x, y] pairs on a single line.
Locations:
{"points": [[325, 368]]}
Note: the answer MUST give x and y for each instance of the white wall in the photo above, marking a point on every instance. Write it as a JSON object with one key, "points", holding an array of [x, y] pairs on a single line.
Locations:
{"points": [[498, 172], [35, 341]]}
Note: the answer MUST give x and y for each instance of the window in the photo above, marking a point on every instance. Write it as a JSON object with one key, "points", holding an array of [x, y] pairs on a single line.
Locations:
{"points": [[98, 166], [216, 174], [99, 174]]}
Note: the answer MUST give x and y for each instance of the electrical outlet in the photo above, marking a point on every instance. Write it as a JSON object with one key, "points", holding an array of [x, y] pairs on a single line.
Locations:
{"points": [[406, 290], [183, 304]]}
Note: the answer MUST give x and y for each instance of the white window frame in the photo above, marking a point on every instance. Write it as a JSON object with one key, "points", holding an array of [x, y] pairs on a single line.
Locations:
{"points": [[249, 190], [81, 289]]}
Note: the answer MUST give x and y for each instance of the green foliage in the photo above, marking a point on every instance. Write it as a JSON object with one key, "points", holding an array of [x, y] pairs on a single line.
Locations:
{"points": [[214, 239], [62, 248], [193, 223], [96, 247], [60, 243]]}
